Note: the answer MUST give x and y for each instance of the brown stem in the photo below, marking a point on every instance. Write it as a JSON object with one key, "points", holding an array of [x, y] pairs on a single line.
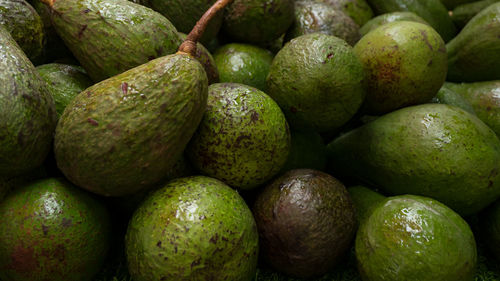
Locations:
{"points": [[49, 3], [189, 44]]}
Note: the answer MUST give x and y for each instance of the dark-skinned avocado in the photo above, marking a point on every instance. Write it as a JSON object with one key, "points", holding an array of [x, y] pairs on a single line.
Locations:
{"points": [[412, 237], [447, 96], [27, 112], [451, 4], [474, 54], [123, 134], [489, 228], [307, 150], [405, 64], [52, 230], [306, 223], [207, 60], [434, 150], [194, 228], [365, 200], [318, 82], [243, 63], [358, 10], [9, 183], [387, 18], [243, 139], [463, 13]]}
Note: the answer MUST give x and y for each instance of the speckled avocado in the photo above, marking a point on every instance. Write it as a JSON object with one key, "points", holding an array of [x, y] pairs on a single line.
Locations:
{"points": [[52, 230], [306, 222], [124, 134], [435, 150], [463, 13], [207, 60], [27, 112], [415, 238], [243, 138], [194, 228], [387, 18], [358, 10], [405, 64]]}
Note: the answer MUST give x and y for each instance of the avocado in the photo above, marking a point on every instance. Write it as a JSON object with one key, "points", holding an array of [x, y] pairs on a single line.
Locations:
{"points": [[123, 134], [358, 10], [463, 13], [306, 223], [451, 4], [447, 96], [318, 82], [207, 60], [412, 237], [474, 54], [387, 18], [52, 230], [27, 111], [9, 183], [434, 150], [405, 64], [489, 228], [194, 228], [307, 150], [243, 138], [365, 200], [313, 17], [243, 63]]}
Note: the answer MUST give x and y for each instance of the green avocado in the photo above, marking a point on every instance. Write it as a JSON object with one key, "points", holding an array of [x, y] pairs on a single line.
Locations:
{"points": [[306, 223], [415, 238], [462, 14], [447, 96], [318, 82], [52, 230], [474, 54], [243, 63], [451, 4], [207, 60], [194, 228], [358, 10], [434, 150], [243, 138], [94, 31], [365, 200], [405, 64], [27, 113], [307, 151], [388, 18], [123, 134]]}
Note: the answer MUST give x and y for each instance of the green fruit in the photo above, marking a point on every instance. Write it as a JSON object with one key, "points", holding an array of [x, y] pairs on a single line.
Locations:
{"points": [[194, 228], [462, 14], [307, 151], [206, 59], [318, 82], [474, 54], [51, 230], [405, 64], [365, 201], [447, 96], [358, 10], [244, 64], [27, 113], [415, 238], [123, 134], [388, 18], [243, 138], [450, 4], [435, 150]]}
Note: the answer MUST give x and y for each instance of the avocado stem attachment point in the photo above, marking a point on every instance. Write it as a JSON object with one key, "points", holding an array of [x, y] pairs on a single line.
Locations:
{"points": [[49, 3]]}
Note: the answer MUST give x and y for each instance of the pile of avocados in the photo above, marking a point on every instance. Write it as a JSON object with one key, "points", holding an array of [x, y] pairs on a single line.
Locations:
{"points": [[249, 140]]}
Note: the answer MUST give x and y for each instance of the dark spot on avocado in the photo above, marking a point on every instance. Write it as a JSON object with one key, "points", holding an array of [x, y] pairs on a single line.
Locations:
{"points": [[151, 57], [124, 88], [158, 244], [80, 33], [490, 184], [66, 222], [329, 56], [195, 263], [86, 11], [426, 40], [214, 238], [255, 116], [45, 229], [89, 93], [239, 139], [429, 63], [293, 109], [22, 259], [92, 122]]}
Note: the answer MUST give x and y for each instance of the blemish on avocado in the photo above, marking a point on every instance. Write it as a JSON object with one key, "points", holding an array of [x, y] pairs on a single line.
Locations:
{"points": [[80, 33], [22, 259], [158, 244], [124, 88], [92, 121], [45, 229], [66, 222]]}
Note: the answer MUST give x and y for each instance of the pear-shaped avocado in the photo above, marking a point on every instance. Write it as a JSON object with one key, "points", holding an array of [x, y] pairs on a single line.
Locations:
{"points": [[358, 10], [435, 150], [474, 54], [124, 134], [194, 228], [52, 230], [388, 18], [207, 60], [447, 96], [415, 238], [405, 64], [462, 14], [27, 112]]}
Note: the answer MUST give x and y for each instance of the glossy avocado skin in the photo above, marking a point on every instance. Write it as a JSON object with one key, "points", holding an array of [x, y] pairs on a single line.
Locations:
{"points": [[415, 238], [358, 10], [123, 134], [194, 228], [388, 18], [433, 150], [306, 222], [447, 96], [52, 230], [463, 13], [27, 112]]}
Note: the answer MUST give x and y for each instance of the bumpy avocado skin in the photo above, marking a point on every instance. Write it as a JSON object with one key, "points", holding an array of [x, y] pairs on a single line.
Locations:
{"points": [[306, 222], [433, 150], [474, 54], [194, 228], [388, 18], [447, 96], [123, 134], [243, 138], [358, 10], [94, 31], [405, 64], [415, 238], [52, 230], [463, 13], [27, 112]]}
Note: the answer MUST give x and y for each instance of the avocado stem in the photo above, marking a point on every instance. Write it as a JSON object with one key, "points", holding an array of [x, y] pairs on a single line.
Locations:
{"points": [[49, 3]]}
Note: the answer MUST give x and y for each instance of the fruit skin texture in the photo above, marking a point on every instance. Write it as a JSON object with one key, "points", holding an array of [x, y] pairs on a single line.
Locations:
{"points": [[52, 230], [318, 82], [306, 222], [194, 228], [388, 18], [405, 64], [27, 112], [434, 150], [358, 10], [206, 59], [243, 138], [123, 134], [415, 238], [463, 13]]}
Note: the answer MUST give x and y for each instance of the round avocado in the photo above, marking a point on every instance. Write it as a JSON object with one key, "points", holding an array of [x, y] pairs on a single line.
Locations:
{"points": [[52, 230], [306, 223], [387, 18], [358, 10], [194, 228], [415, 238]]}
